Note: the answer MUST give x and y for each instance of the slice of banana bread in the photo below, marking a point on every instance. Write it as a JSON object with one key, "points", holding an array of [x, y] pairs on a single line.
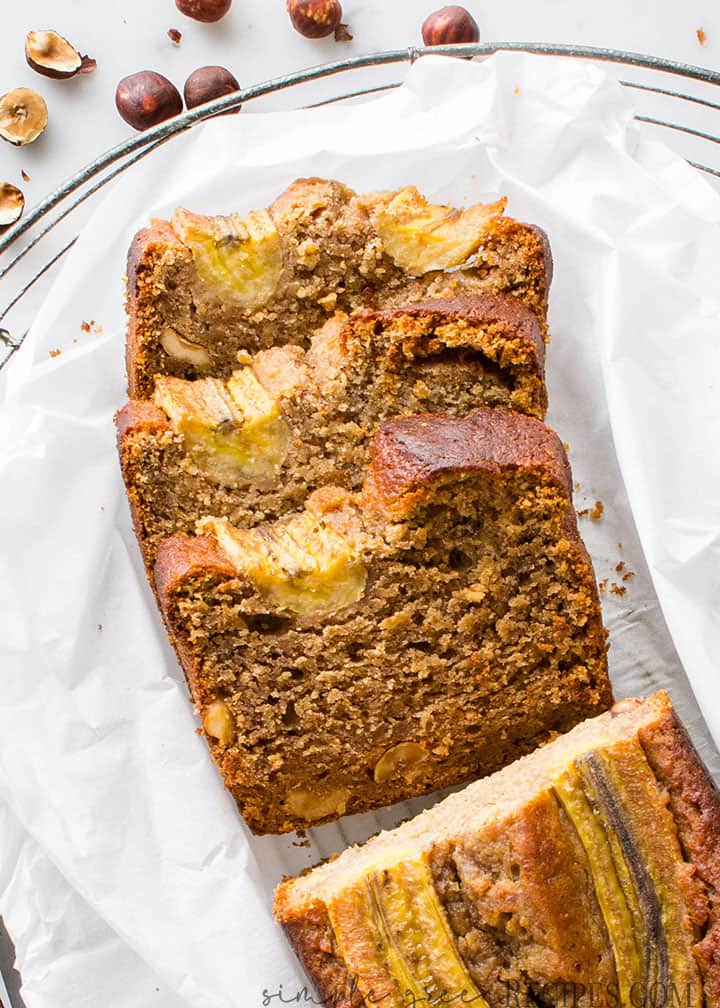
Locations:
{"points": [[200, 289], [373, 647], [587, 874], [254, 447]]}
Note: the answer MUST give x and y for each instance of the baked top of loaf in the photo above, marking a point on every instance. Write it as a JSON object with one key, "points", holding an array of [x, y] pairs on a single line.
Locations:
{"points": [[374, 646], [200, 289], [588, 870], [291, 420]]}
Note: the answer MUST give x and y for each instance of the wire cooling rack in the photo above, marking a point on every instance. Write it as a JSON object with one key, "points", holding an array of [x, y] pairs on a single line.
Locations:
{"points": [[37, 243]]}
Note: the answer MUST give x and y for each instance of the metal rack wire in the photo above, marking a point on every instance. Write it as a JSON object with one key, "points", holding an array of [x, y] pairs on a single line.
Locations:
{"points": [[41, 223]]}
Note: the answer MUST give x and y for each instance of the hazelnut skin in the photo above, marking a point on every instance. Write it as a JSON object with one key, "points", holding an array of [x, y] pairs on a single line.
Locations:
{"points": [[315, 19], [206, 11], [450, 26], [147, 98], [207, 83], [53, 56]]}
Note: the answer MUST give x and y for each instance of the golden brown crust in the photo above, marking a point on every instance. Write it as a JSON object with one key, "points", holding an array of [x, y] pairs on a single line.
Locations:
{"points": [[147, 250], [139, 414], [183, 556], [480, 309], [411, 453], [695, 805], [310, 934]]}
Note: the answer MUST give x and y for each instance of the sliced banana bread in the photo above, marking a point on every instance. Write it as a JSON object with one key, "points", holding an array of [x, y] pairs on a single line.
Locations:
{"points": [[200, 289], [387, 644], [587, 873], [252, 448]]}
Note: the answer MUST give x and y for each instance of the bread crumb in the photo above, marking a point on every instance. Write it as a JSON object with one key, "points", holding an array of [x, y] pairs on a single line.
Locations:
{"points": [[617, 589], [56, 352], [92, 327], [597, 512], [516, 90], [175, 36], [24, 175], [602, 585], [701, 36], [85, 327], [100, 628], [629, 576]]}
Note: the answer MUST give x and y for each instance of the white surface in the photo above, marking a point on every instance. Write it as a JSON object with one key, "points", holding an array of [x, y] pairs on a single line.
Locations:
{"points": [[256, 42], [99, 760]]}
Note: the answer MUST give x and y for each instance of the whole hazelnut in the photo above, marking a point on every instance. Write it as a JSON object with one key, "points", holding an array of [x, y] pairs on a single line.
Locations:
{"points": [[450, 26], [204, 10], [315, 18], [207, 83], [147, 98]]}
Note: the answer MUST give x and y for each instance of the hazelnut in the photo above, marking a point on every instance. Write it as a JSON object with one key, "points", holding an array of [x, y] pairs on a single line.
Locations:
{"points": [[23, 116], [449, 26], [147, 98], [53, 56], [219, 723], [399, 761], [12, 204], [183, 349], [315, 18], [207, 83], [313, 805], [204, 10]]}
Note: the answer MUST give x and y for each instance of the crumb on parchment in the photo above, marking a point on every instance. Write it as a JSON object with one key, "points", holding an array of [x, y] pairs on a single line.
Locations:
{"points": [[594, 513], [701, 36]]}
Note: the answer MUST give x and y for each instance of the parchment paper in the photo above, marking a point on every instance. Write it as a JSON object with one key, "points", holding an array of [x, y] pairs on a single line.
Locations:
{"points": [[127, 877]]}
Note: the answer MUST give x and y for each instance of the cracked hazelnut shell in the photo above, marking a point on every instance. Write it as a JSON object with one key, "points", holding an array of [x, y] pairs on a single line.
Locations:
{"points": [[23, 116], [12, 204], [450, 26], [147, 98], [207, 83], [206, 11], [315, 19], [53, 56]]}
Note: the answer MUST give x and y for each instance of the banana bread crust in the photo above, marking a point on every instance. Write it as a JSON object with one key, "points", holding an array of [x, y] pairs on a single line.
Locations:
{"points": [[695, 804], [410, 453]]}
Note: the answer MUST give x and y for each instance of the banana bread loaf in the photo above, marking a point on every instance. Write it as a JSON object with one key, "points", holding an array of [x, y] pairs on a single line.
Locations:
{"points": [[387, 644], [200, 289], [254, 447], [587, 873]]}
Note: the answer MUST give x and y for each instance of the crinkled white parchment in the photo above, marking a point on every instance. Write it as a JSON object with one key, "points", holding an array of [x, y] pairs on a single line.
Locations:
{"points": [[127, 877]]}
